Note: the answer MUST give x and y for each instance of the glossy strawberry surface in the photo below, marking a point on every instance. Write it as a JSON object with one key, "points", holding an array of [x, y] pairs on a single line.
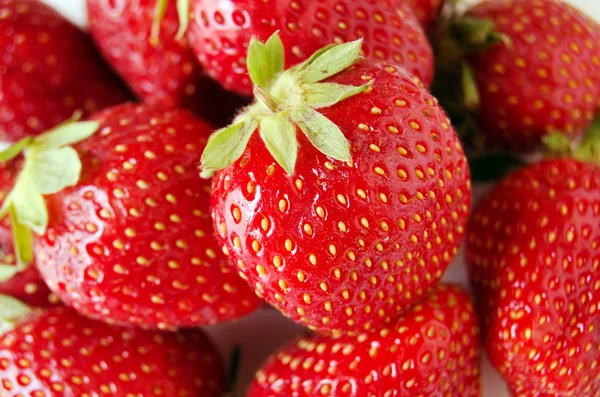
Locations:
{"points": [[48, 70], [58, 353], [163, 73], [534, 253], [133, 242], [349, 246], [221, 30], [546, 79], [432, 350]]}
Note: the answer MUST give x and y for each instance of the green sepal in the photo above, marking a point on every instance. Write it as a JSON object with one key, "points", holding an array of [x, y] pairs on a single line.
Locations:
{"points": [[66, 134], [53, 170], [471, 96], [279, 135], [7, 272], [331, 62], [324, 134], [323, 95], [183, 10], [28, 206], [477, 34], [265, 61], [16, 149], [227, 145], [558, 144], [159, 13], [589, 149], [11, 310], [23, 242]]}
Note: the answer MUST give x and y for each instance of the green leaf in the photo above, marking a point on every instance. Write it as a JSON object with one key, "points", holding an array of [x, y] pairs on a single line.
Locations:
{"points": [[589, 149], [28, 205], [472, 100], [325, 135], [14, 150], [477, 34], [159, 13], [226, 145], [279, 135], [11, 310], [265, 61], [322, 95], [331, 62], [67, 134], [492, 168], [315, 55], [53, 170], [183, 10], [558, 143], [7, 272], [23, 241]]}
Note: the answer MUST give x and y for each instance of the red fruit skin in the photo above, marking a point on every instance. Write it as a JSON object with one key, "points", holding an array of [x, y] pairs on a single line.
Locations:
{"points": [[220, 31], [165, 75], [426, 11], [28, 285], [133, 241], [58, 353], [48, 70], [534, 252], [548, 79], [345, 247], [432, 350]]}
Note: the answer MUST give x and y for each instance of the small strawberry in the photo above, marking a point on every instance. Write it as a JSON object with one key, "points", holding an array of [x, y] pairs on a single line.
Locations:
{"points": [[161, 69], [341, 202], [532, 67], [534, 255], [58, 353], [432, 350], [131, 239], [48, 70], [26, 285], [427, 11], [220, 31]]}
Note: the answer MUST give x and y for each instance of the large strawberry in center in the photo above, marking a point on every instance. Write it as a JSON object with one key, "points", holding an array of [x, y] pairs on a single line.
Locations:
{"points": [[352, 201]]}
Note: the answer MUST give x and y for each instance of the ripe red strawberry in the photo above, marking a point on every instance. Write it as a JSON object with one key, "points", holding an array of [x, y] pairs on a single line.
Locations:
{"points": [[427, 11], [61, 354], [132, 240], [371, 213], [160, 69], [48, 70], [28, 285], [432, 350], [544, 76], [534, 253], [220, 31]]}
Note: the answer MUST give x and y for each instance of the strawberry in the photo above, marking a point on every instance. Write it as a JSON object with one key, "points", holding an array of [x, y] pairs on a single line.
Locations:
{"points": [[352, 202], [427, 11], [161, 69], [220, 31], [131, 239], [534, 253], [48, 70], [532, 67], [59, 353], [27, 285], [432, 350]]}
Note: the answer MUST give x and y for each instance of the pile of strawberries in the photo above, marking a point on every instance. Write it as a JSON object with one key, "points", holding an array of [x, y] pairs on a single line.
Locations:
{"points": [[337, 190]]}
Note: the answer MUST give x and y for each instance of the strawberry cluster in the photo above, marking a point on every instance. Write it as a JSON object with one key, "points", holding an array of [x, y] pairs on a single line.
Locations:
{"points": [[337, 190]]}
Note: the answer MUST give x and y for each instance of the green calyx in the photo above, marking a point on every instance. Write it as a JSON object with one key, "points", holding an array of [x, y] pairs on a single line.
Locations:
{"points": [[11, 311], [287, 100], [50, 165], [160, 9], [588, 150]]}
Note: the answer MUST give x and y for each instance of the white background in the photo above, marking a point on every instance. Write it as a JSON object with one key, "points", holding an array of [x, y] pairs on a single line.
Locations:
{"points": [[264, 331]]}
